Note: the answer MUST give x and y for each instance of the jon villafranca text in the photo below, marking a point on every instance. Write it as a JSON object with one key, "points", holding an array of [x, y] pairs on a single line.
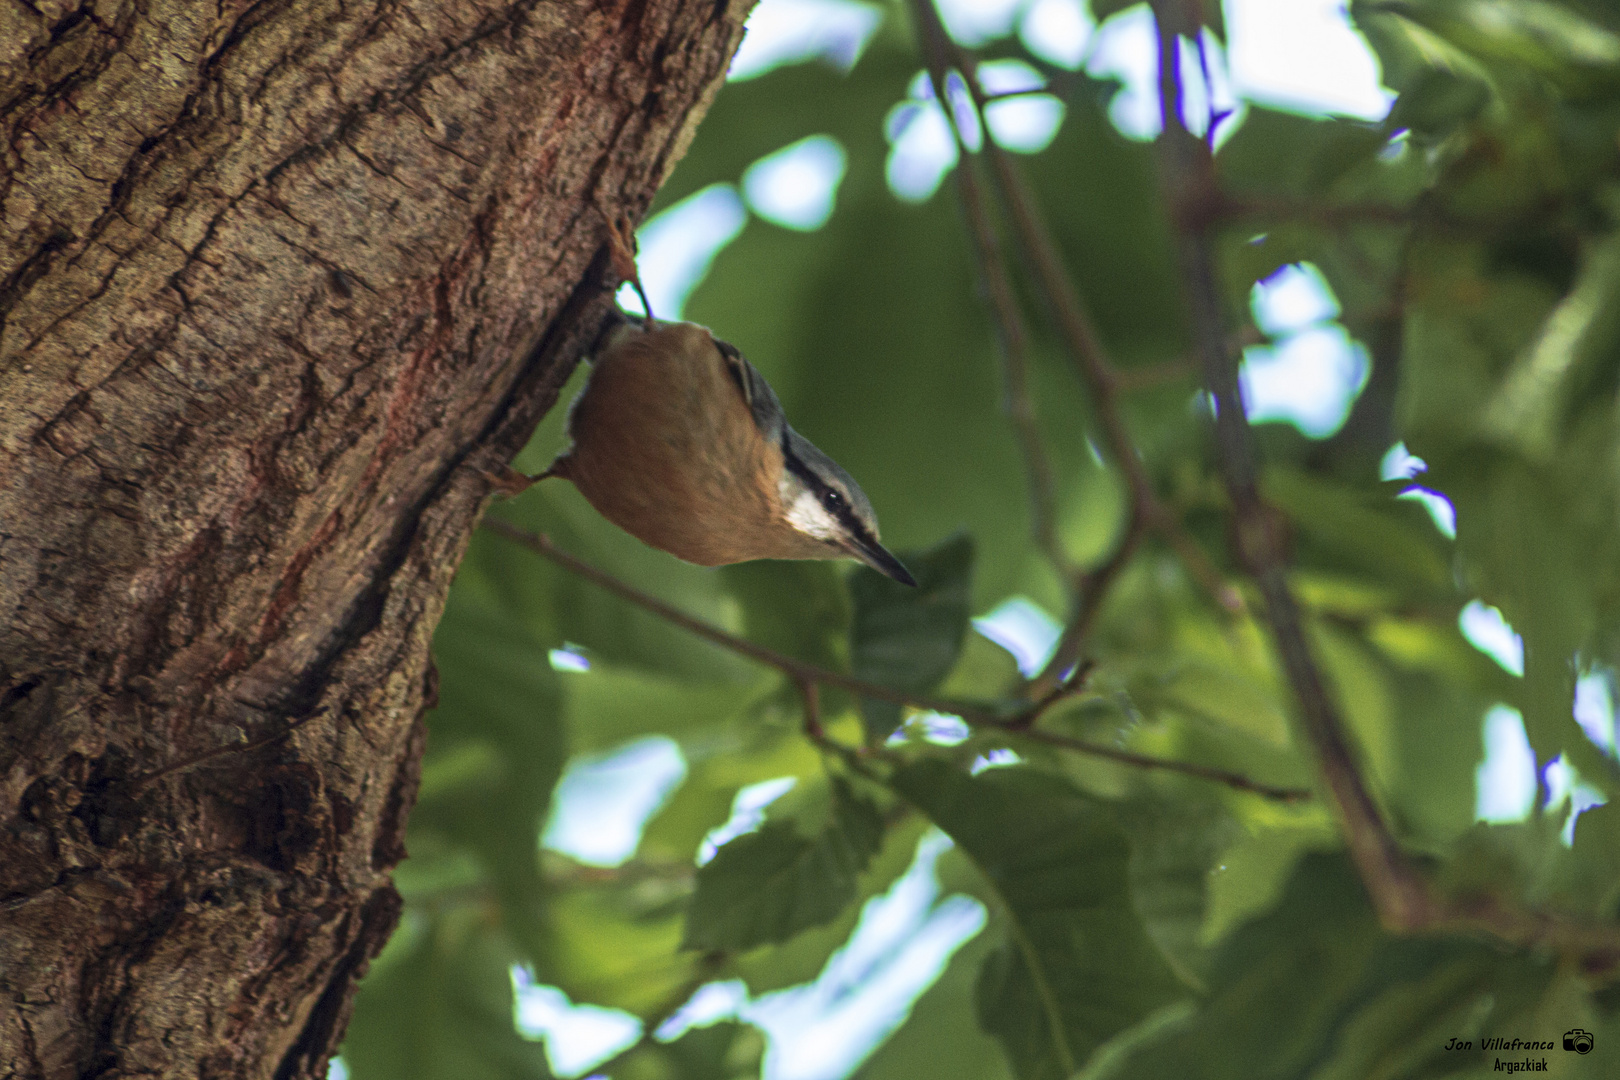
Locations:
{"points": [[1500, 1043], [1527, 1065]]}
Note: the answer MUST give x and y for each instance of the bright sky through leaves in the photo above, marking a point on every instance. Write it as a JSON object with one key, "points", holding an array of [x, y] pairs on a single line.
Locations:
{"points": [[1488, 632], [603, 802], [1506, 778], [577, 1037], [792, 31], [1024, 629], [1311, 373], [823, 1030], [795, 187]]}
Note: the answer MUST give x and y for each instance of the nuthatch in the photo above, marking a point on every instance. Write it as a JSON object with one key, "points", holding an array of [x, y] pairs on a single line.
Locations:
{"points": [[682, 444]]}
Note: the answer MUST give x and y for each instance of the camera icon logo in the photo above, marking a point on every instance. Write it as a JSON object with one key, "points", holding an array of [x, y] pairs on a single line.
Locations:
{"points": [[1578, 1041]]}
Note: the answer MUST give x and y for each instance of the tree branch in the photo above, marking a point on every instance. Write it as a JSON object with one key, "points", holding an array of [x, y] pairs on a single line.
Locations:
{"points": [[1013, 337], [1189, 182], [1081, 340], [810, 675], [1403, 897]]}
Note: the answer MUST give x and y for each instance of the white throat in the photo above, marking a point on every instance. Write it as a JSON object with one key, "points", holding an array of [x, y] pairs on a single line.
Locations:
{"points": [[806, 514]]}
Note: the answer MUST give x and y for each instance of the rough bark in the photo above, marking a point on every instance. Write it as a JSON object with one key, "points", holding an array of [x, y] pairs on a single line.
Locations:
{"points": [[277, 280]]}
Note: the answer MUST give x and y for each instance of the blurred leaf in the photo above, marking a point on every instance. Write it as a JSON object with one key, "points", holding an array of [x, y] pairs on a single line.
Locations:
{"points": [[1440, 85], [1104, 9], [1225, 695], [1315, 988], [496, 750], [1527, 859], [1529, 407], [1371, 532], [909, 638], [1076, 966], [1437, 732], [748, 752], [444, 1009], [1282, 153], [1548, 38], [1255, 869], [1100, 192], [608, 706], [759, 116], [766, 886], [616, 943], [1175, 846], [798, 608]]}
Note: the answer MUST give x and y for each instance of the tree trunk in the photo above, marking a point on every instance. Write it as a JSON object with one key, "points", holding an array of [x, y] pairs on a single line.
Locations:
{"points": [[278, 282]]}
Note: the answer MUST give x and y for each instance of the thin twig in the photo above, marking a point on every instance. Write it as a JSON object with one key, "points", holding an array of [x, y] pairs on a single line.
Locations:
{"points": [[1012, 335], [1142, 761], [793, 668], [1089, 596], [811, 693], [806, 674], [1074, 323]]}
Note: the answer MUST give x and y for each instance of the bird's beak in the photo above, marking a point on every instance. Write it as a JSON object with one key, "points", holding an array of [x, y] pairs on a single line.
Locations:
{"points": [[876, 556]]}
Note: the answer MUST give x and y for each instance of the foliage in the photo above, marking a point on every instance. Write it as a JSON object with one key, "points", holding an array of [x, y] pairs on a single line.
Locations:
{"points": [[1142, 922]]}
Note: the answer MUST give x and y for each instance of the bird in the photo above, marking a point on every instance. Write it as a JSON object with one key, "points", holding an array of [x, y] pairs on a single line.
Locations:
{"points": [[678, 440]]}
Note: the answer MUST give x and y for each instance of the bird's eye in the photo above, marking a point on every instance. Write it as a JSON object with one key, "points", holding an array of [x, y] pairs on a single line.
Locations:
{"points": [[833, 501]]}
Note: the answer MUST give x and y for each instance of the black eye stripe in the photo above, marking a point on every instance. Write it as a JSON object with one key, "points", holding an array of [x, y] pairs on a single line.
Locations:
{"points": [[845, 515]]}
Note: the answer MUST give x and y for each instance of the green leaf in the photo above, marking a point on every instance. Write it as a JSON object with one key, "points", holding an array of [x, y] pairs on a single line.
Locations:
{"points": [[1176, 845], [1076, 966], [438, 1005], [617, 944], [764, 887], [1099, 190], [1315, 988], [609, 705], [909, 638], [798, 608], [757, 117], [1368, 531], [1528, 859], [1281, 153], [1580, 56], [1440, 85], [1529, 408]]}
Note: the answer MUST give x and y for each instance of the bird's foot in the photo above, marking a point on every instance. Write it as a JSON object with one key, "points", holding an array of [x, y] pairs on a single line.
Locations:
{"points": [[510, 483]]}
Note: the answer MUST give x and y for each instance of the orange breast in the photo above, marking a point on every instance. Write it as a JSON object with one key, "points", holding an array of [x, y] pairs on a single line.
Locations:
{"points": [[666, 449]]}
